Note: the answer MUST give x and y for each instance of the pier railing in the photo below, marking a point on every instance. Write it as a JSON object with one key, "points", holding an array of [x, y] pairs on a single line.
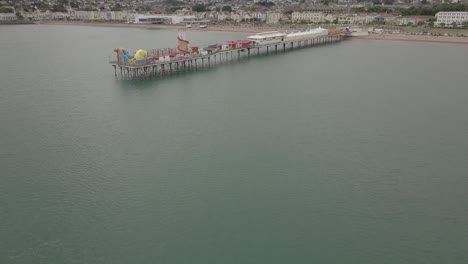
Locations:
{"points": [[153, 67]]}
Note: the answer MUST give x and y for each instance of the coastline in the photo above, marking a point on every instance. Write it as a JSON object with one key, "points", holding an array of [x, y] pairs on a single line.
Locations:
{"points": [[413, 38], [257, 29], [211, 28]]}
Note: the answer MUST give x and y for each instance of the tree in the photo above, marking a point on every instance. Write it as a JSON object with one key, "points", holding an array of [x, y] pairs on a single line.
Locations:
{"points": [[199, 8], [431, 23], [19, 16], [454, 24], [74, 5], [43, 6], [58, 8], [6, 10], [465, 24], [227, 8], [442, 24]]}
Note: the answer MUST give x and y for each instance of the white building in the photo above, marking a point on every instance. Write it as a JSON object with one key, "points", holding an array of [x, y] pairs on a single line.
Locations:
{"points": [[315, 17], [259, 16], [353, 19], [235, 17], [222, 16], [311, 17], [7, 17], [449, 17], [273, 17], [167, 19]]}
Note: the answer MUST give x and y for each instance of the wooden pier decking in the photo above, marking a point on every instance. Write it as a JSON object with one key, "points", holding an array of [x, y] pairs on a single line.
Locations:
{"points": [[198, 62]]}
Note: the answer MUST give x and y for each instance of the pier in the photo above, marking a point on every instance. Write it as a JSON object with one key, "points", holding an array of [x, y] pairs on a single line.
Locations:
{"points": [[199, 62]]}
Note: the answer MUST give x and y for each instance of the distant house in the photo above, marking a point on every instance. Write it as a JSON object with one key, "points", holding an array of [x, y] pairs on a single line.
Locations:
{"points": [[8, 17], [222, 16], [447, 18], [259, 16], [386, 19], [315, 17], [273, 17], [353, 19], [235, 17]]}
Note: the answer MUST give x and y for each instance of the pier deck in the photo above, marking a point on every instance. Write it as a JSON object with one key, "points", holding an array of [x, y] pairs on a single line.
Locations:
{"points": [[197, 62]]}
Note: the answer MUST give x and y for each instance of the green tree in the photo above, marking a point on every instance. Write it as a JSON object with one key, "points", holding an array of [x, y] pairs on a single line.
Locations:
{"points": [[199, 8], [465, 24], [454, 24], [431, 23], [58, 8], [6, 10], [117, 7], [74, 5], [19, 16], [43, 6], [227, 8], [442, 24]]}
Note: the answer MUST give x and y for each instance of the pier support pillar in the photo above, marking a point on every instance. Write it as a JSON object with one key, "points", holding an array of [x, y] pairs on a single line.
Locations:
{"points": [[258, 51], [267, 50], [284, 47], [276, 48], [248, 52]]}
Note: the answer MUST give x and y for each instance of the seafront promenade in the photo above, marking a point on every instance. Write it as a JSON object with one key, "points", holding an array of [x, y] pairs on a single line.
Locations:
{"points": [[415, 38]]}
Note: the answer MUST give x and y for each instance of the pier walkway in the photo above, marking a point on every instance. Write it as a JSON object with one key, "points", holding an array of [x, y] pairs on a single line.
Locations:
{"points": [[198, 62]]}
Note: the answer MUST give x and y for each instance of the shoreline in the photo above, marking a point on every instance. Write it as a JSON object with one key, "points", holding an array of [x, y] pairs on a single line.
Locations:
{"points": [[413, 38], [255, 29], [210, 28]]}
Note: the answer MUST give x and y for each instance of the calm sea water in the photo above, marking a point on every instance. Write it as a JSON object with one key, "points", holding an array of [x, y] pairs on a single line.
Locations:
{"points": [[349, 153]]}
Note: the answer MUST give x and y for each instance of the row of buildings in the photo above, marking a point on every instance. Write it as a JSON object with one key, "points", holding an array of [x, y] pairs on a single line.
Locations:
{"points": [[269, 17], [443, 18], [355, 19]]}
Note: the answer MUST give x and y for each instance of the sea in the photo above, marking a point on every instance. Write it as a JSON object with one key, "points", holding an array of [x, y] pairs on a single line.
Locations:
{"points": [[354, 152]]}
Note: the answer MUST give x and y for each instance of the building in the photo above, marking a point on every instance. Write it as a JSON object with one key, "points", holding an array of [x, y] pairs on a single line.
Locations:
{"points": [[273, 17], [222, 16], [407, 21], [326, 9], [163, 19], [7, 17], [353, 19], [259, 16], [315, 17], [447, 18]]}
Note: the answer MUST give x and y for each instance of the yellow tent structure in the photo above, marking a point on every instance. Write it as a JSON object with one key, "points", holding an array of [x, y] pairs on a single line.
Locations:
{"points": [[140, 54]]}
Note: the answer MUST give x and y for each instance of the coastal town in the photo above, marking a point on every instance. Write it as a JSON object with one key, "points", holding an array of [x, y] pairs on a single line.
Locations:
{"points": [[376, 17]]}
